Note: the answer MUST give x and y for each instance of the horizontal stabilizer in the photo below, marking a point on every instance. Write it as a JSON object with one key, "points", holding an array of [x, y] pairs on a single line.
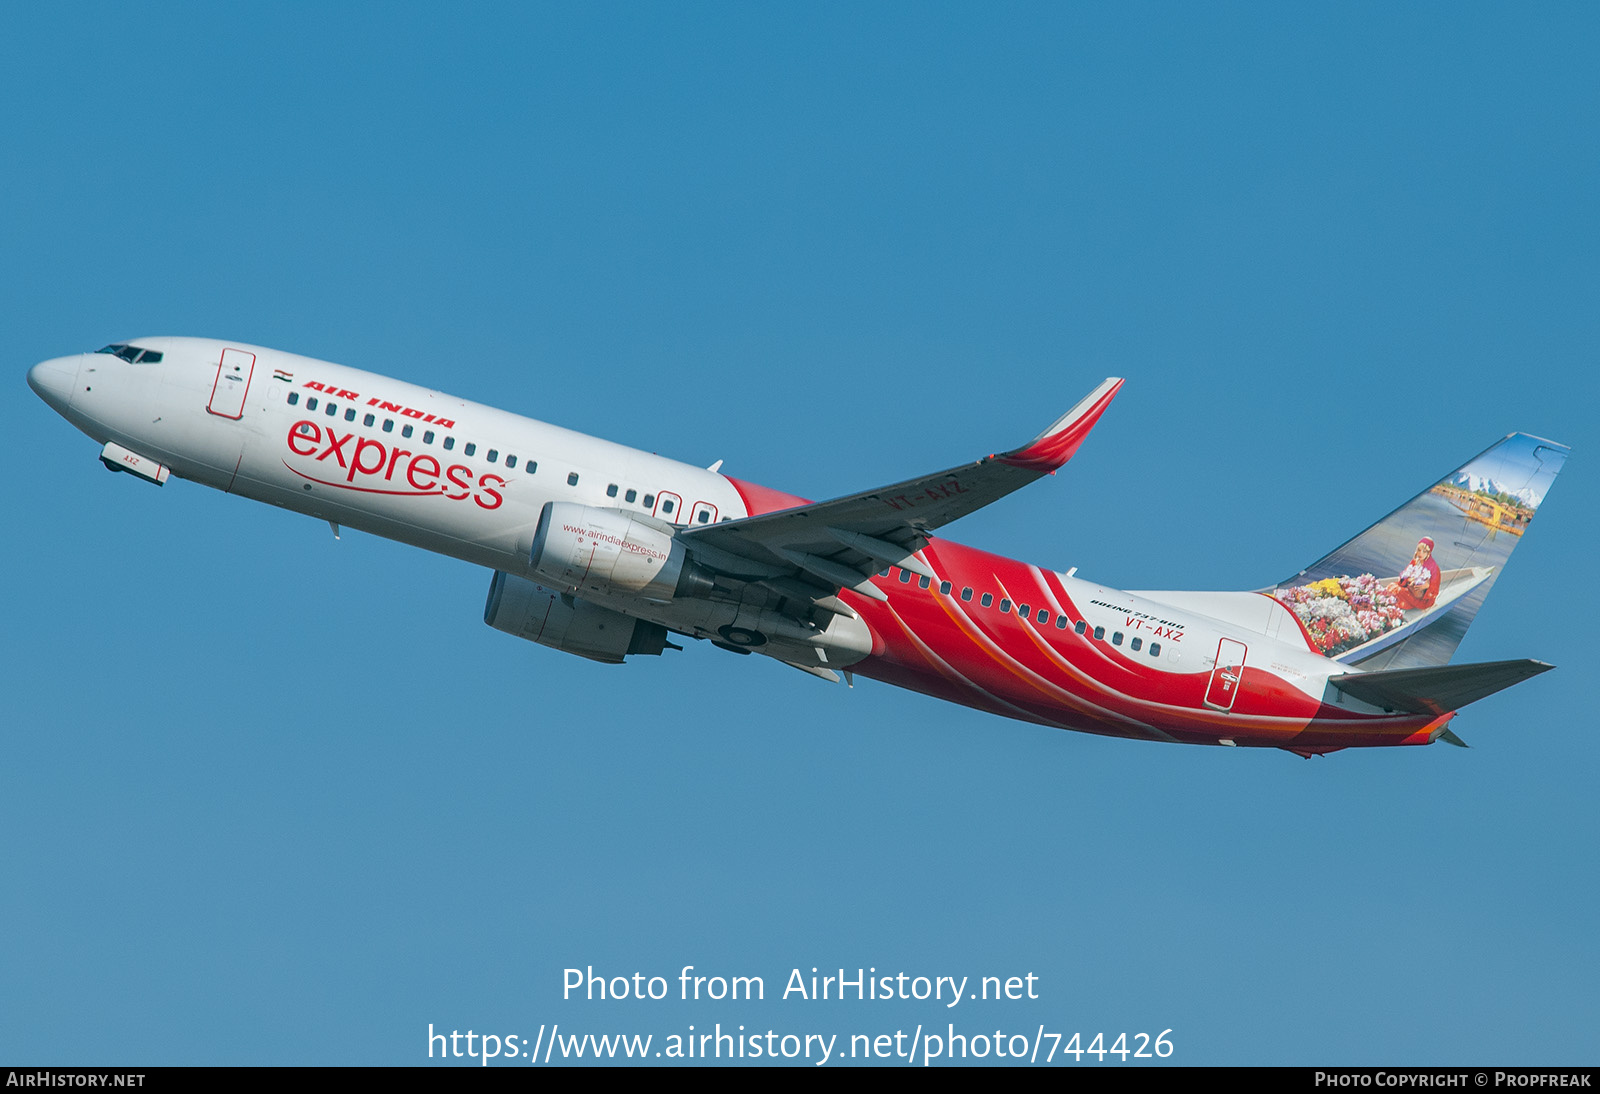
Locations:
{"points": [[1437, 689]]}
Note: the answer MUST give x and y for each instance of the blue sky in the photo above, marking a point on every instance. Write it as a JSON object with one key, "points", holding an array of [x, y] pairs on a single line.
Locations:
{"points": [[267, 797]]}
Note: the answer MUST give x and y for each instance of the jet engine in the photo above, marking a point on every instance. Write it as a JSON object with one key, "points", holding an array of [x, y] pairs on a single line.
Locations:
{"points": [[520, 607], [612, 553]]}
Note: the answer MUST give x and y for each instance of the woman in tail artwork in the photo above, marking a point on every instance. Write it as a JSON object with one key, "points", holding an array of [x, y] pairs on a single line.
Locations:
{"points": [[1418, 585]]}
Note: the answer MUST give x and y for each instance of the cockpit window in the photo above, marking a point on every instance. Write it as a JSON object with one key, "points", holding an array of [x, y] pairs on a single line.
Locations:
{"points": [[132, 354]]}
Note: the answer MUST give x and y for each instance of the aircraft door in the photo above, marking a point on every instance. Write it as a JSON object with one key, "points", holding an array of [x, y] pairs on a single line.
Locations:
{"points": [[1224, 685], [704, 513], [232, 384], [669, 506]]}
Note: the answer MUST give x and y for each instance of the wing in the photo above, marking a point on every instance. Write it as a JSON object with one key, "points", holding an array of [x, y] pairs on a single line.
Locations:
{"points": [[812, 551]]}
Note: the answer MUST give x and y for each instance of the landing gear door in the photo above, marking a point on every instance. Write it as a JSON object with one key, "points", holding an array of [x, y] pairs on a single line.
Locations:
{"points": [[232, 384], [1224, 685]]}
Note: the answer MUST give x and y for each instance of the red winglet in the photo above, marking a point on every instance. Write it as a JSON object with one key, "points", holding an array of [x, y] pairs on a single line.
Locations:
{"points": [[1056, 445]]}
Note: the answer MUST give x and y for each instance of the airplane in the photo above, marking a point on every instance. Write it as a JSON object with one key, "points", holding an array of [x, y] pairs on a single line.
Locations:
{"points": [[605, 551]]}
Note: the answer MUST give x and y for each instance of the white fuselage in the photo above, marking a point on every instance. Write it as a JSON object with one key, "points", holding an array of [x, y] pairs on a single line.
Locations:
{"points": [[368, 452]]}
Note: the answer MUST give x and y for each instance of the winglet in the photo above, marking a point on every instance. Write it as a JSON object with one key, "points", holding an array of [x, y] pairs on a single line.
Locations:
{"points": [[1056, 445]]}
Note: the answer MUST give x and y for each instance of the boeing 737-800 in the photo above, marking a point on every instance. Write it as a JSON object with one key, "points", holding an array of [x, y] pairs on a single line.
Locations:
{"points": [[604, 551]]}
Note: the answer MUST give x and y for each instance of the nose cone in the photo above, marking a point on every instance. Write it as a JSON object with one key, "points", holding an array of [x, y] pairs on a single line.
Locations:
{"points": [[54, 380]]}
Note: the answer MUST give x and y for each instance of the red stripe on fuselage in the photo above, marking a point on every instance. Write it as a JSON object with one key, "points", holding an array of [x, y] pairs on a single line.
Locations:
{"points": [[760, 499], [998, 662]]}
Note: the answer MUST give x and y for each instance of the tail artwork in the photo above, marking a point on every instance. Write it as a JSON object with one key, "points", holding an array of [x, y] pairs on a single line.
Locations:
{"points": [[1402, 593]]}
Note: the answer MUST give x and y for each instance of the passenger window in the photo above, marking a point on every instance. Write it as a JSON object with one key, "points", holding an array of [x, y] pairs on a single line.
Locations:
{"points": [[333, 410], [705, 518], [944, 588], [511, 462], [1061, 622], [350, 415], [966, 593], [924, 582], [1044, 617], [311, 403], [1099, 633], [470, 449], [388, 425], [449, 443], [1116, 638], [611, 490], [369, 419], [1005, 605], [294, 398], [306, 428], [630, 496], [987, 599], [649, 501], [1079, 627], [405, 431], [883, 573], [668, 505], [905, 576], [1155, 649], [572, 480], [531, 466], [493, 456], [1135, 644], [427, 436], [1023, 610]]}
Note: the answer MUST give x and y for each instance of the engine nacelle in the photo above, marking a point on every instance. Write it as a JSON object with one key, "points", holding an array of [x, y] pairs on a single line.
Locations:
{"points": [[520, 607], [610, 552]]}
